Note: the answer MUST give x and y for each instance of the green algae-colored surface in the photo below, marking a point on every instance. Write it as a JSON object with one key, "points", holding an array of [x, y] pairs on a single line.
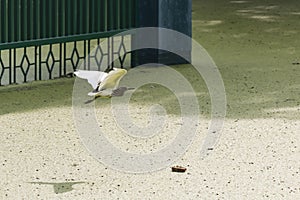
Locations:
{"points": [[255, 44], [256, 47], [36, 95]]}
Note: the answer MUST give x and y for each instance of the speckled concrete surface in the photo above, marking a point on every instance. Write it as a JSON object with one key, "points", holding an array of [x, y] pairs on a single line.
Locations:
{"points": [[256, 46], [42, 157]]}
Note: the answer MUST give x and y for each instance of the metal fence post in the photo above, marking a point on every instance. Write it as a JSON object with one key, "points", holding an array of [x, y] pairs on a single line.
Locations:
{"points": [[175, 15]]}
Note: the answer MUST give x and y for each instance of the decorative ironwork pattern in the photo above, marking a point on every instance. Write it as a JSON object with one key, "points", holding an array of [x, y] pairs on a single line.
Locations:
{"points": [[59, 60], [5, 68], [41, 39]]}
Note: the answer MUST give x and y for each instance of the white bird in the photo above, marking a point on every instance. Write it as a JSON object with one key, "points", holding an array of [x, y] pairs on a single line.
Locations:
{"points": [[104, 84]]}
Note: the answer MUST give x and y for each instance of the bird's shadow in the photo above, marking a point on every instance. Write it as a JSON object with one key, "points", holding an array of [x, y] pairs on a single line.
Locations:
{"points": [[61, 187]]}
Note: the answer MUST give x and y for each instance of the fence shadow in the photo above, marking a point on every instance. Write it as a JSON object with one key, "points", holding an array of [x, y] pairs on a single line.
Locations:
{"points": [[258, 61]]}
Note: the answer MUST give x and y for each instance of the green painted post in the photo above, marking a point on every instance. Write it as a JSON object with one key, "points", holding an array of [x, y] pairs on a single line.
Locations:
{"points": [[49, 19], [123, 14], [43, 23], [11, 22], [62, 18], [31, 18], [75, 16], [37, 20], [22, 20], [2, 19]]}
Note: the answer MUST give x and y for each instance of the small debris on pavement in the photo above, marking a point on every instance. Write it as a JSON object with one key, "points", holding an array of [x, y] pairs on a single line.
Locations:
{"points": [[178, 169]]}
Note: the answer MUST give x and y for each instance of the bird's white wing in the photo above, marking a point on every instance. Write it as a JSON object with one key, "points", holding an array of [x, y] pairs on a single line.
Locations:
{"points": [[93, 77]]}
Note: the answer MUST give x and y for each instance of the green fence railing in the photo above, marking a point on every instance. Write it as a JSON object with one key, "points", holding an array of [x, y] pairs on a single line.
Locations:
{"points": [[45, 39], [30, 25], [38, 22]]}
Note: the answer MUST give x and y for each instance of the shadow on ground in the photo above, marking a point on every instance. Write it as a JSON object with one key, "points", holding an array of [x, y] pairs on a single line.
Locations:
{"points": [[36, 95], [255, 45], [61, 187]]}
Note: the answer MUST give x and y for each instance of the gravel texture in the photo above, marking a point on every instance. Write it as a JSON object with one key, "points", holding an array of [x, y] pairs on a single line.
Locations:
{"points": [[256, 47]]}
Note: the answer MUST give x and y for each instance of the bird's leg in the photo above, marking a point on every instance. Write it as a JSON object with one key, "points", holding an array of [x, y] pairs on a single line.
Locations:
{"points": [[108, 69], [89, 101], [96, 89]]}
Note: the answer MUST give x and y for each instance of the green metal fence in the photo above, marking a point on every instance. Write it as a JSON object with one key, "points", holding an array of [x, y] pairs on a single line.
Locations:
{"points": [[40, 36]]}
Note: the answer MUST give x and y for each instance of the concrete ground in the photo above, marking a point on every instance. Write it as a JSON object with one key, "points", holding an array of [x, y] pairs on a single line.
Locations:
{"points": [[256, 47]]}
